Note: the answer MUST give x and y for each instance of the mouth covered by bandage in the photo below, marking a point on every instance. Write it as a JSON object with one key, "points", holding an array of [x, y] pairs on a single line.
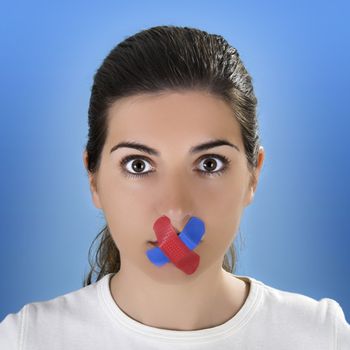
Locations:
{"points": [[174, 248]]}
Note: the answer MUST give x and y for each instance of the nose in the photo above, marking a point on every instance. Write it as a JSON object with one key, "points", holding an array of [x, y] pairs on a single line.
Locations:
{"points": [[176, 200], [179, 220]]}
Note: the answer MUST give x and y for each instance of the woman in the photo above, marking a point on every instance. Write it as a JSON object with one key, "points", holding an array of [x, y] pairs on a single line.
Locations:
{"points": [[178, 103]]}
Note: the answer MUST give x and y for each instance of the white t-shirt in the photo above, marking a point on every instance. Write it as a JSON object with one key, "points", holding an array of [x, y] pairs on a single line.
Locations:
{"points": [[89, 319]]}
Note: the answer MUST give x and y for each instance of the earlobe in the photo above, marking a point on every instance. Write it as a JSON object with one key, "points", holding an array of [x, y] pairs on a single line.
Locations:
{"points": [[94, 193], [95, 198], [251, 195], [254, 180], [252, 192]]}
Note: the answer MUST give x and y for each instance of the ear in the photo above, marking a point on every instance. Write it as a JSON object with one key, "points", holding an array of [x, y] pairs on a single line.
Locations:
{"points": [[255, 178], [92, 182]]}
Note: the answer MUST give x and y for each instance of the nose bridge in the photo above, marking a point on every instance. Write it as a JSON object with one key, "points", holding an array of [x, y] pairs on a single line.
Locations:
{"points": [[175, 201]]}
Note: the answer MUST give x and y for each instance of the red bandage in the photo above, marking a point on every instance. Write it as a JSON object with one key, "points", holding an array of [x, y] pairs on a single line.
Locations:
{"points": [[168, 241]]}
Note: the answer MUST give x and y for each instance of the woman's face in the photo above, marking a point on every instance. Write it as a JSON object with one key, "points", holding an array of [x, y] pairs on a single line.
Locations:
{"points": [[171, 184]]}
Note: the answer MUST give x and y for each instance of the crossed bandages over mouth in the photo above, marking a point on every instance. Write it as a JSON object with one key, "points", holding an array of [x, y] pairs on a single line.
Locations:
{"points": [[174, 248]]}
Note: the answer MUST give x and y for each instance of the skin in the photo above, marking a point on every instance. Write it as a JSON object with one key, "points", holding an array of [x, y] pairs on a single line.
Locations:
{"points": [[173, 122]]}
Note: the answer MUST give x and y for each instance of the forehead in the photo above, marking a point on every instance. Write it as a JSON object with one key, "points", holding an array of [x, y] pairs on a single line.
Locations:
{"points": [[172, 116]]}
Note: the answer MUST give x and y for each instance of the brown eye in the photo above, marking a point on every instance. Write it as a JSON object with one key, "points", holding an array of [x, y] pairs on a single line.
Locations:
{"points": [[138, 165], [210, 163], [135, 165]]}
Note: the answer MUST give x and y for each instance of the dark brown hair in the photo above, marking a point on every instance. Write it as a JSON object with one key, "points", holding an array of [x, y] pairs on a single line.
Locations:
{"points": [[167, 58]]}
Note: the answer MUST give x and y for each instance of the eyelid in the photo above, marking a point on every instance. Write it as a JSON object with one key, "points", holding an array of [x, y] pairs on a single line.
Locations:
{"points": [[126, 159]]}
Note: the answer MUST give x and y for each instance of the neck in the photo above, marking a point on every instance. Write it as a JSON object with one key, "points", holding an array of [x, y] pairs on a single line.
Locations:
{"points": [[179, 302]]}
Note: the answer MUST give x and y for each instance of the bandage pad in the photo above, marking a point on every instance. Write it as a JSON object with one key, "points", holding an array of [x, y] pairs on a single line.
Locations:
{"points": [[174, 248]]}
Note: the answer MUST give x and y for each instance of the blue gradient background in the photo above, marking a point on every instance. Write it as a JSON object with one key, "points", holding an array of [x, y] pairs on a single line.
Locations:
{"points": [[294, 236]]}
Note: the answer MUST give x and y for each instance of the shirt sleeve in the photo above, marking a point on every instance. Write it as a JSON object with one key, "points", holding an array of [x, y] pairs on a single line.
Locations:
{"points": [[12, 329], [341, 327]]}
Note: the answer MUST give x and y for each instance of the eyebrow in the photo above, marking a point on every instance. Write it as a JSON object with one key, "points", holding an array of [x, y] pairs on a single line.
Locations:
{"points": [[195, 149]]}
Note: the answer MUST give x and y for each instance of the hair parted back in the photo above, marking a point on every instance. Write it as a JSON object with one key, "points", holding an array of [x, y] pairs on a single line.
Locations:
{"points": [[167, 58]]}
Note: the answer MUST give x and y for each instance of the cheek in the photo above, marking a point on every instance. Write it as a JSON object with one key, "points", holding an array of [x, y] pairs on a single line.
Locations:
{"points": [[131, 211], [224, 197], [221, 206], [221, 231], [128, 212]]}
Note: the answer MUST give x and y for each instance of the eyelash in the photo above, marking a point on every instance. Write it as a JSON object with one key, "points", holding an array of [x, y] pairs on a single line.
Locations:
{"points": [[223, 159]]}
